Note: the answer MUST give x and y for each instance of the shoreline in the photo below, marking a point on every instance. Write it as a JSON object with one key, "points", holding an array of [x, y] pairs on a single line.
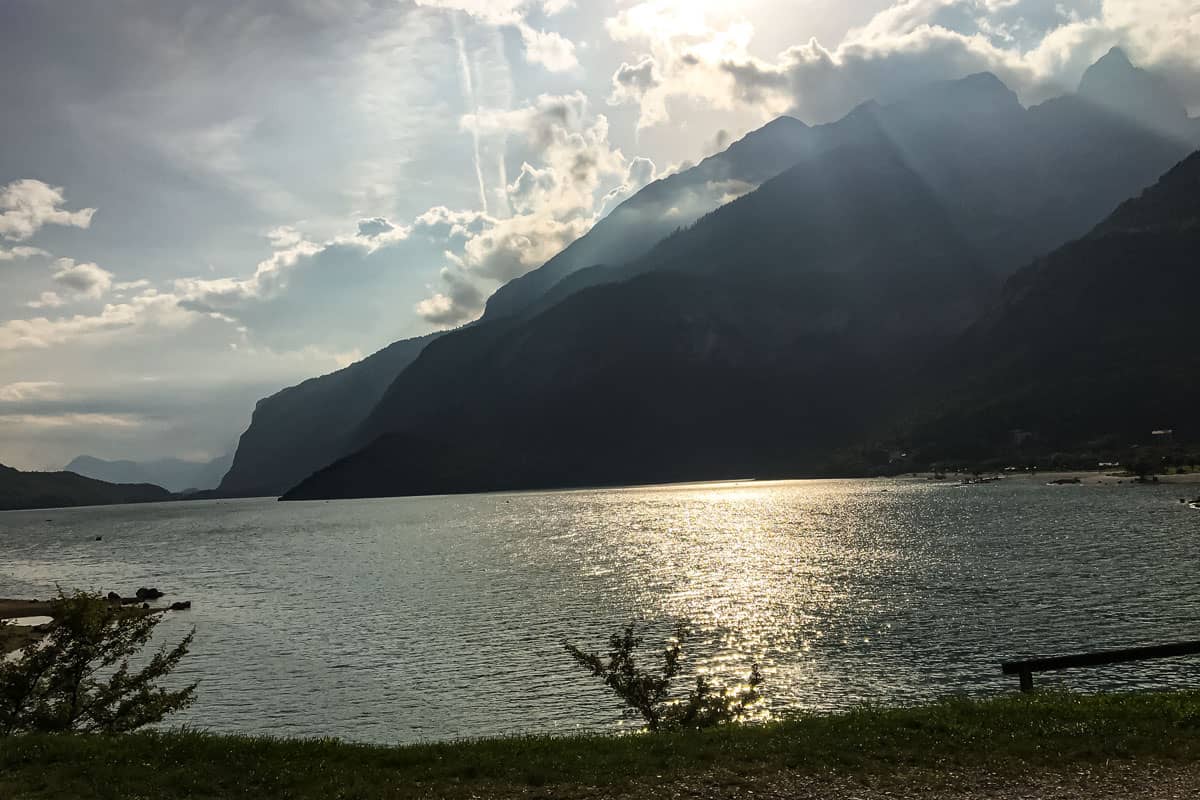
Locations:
{"points": [[951, 478], [1087, 477], [14, 636]]}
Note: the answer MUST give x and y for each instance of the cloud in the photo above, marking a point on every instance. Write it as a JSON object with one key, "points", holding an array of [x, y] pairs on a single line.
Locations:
{"points": [[147, 310], [374, 227], [80, 420], [681, 36], [460, 301], [552, 50], [1039, 48], [570, 176], [84, 280], [632, 81], [28, 205], [47, 300], [26, 391], [217, 295], [641, 173], [342, 289], [547, 48], [21, 252], [500, 11]]}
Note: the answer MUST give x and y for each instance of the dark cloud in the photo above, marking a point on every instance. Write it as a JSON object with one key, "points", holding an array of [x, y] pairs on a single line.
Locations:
{"points": [[637, 78], [720, 141], [459, 301], [84, 279], [373, 227]]}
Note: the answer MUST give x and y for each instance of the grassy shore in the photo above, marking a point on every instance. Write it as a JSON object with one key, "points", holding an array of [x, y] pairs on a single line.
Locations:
{"points": [[904, 750]]}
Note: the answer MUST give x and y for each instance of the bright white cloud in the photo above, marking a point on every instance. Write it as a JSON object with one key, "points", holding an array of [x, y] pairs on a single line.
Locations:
{"points": [[218, 295], [556, 196], [148, 310], [26, 206], [500, 11], [1039, 48], [552, 50], [549, 49], [685, 43]]}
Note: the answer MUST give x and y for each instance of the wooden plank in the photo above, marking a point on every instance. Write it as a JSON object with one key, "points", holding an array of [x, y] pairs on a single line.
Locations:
{"points": [[1101, 658]]}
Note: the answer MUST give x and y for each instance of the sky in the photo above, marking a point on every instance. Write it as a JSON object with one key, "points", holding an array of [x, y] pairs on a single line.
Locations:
{"points": [[204, 202]]}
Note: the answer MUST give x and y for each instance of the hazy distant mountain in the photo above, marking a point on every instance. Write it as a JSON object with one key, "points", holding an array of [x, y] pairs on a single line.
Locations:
{"points": [[173, 474], [305, 427], [62, 489], [1117, 85], [1096, 340], [775, 328]]}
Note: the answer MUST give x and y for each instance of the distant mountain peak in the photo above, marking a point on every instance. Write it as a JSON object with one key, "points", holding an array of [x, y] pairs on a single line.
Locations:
{"points": [[1116, 84], [1116, 56], [984, 79], [780, 128], [980, 92], [1113, 67], [784, 121]]}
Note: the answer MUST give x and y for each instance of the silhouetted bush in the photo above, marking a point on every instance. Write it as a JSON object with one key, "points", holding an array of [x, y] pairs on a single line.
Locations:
{"points": [[648, 694]]}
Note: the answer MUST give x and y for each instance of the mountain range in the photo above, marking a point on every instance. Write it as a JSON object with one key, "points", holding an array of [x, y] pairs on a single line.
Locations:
{"points": [[173, 474], [270, 457], [815, 272]]}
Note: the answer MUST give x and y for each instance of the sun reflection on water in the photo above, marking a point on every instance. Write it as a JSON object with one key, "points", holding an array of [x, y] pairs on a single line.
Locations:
{"points": [[401, 620]]}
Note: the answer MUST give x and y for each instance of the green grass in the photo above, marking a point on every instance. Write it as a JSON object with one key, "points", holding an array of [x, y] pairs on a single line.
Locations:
{"points": [[1010, 735]]}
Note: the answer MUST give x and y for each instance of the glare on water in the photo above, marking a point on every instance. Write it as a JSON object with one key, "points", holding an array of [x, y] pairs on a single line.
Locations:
{"points": [[406, 619]]}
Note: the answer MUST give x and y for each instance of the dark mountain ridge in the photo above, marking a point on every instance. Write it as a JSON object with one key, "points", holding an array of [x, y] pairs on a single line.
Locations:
{"points": [[1093, 343], [1090, 341], [298, 430], [757, 363], [26, 490], [305, 427], [514, 398]]}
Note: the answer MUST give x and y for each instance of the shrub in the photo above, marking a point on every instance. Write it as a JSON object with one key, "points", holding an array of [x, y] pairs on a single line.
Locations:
{"points": [[79, 678], [649, 695]]}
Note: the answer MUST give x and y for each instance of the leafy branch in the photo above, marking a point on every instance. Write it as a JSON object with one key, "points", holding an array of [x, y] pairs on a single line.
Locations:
{"points": [[649, 695]]}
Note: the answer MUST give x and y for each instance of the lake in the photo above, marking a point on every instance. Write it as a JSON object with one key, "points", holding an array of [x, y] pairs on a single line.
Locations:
{"points": [[430, 618]]}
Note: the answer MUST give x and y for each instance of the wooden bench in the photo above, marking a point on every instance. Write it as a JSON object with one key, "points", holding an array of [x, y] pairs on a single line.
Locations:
{"points": [[1026, 668]]}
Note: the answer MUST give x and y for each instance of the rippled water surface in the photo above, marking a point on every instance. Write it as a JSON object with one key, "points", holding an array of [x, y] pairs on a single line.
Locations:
{"points": [[410, 619]]}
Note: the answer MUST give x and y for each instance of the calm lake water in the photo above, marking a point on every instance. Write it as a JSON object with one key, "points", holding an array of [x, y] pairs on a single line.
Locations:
{"points": [[415, 619]]}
